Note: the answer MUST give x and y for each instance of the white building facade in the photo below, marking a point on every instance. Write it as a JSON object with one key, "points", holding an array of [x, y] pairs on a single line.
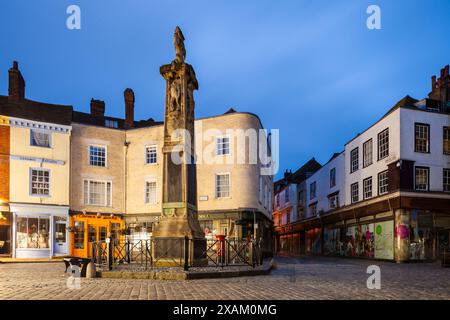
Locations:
{"points": [[389, 196]]}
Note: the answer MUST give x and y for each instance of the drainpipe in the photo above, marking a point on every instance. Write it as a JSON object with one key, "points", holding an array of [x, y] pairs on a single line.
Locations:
{"points": [[125, 178]]}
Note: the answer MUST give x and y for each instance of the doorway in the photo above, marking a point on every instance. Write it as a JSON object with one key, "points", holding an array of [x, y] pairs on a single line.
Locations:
{"points": [[5, 240], [60, 246]]}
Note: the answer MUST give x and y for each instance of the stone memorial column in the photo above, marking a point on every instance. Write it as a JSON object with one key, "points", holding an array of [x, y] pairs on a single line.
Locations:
{"points": [[179, 210]]}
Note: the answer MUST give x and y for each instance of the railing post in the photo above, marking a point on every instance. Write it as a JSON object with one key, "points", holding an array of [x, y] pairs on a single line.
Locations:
{"points": [[128, 251], [109, 250], [186, 253], [251, 254], [146, 256]]}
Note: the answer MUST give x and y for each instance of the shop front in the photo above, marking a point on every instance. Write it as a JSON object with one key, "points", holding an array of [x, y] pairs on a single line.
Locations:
{"points": [[140, 227], [239, 225], [5, 233], [88, 228], [290, 240], [369, 237], [39, 231], [424, 233]]}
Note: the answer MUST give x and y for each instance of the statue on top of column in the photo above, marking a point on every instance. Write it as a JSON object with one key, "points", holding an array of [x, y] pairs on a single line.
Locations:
{"points": [[178, 41]]}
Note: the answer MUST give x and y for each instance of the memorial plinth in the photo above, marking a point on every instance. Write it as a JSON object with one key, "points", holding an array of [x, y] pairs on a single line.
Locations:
{"points": [[179, 211]]}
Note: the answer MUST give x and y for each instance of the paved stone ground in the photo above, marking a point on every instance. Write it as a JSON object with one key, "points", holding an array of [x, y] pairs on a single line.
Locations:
{"points": [[302, 278]]}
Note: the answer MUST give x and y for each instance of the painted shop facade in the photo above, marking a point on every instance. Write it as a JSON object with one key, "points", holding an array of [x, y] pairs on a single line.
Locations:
{"points": [[35, 174], [387, 195], [69, 178]]}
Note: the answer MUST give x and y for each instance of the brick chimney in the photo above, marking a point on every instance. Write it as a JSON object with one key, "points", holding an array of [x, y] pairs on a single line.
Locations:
{"points": [[440, 89], [97, 108], [16, 90], [287, 173], [129, 107]]}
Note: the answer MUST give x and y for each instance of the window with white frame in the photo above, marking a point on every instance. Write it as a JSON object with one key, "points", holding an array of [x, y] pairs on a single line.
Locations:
{"points": [[367, 188], [383, 183], [222, 185], [151, 154], [40, 182], [39, 138], [446, 179], [383, 144], [333, 201], [422, 137], [367, 153], [312, 190], [332, 177], [150, 192], [97, 193], [354, 160], [354, 192], [446, 140], [421, 178], [223, 145], [97, 156]]}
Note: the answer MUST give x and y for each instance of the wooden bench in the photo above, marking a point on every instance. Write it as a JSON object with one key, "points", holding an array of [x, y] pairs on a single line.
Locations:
{"points": [[82, 263]]}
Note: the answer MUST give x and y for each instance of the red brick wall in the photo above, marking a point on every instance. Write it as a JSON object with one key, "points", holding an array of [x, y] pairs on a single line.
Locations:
{"points": [[4, 162]]}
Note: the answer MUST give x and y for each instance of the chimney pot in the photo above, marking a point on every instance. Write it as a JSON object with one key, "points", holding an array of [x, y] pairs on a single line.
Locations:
{"points": [[129, 107], [16, 89], [97, 108]]}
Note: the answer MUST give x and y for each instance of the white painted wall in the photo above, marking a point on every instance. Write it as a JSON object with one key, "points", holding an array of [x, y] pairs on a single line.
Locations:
{"points": [[392, 121], [436, 160], [322, 179]]}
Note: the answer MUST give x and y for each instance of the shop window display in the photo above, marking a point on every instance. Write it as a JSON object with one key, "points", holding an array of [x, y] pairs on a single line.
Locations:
{"points": [[384, 240], [421, 236], [373, 240], [332, 244], [33, 233], [359, 241]]}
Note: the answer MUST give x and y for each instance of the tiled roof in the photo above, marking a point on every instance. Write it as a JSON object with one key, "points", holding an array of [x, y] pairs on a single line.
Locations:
{"points": [[87, 118], [37, 111]]}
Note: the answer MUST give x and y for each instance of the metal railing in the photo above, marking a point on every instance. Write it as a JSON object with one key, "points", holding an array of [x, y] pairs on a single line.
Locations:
{"points": [[176, 252]]}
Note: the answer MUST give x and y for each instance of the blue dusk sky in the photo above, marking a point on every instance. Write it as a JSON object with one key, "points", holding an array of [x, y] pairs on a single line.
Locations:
{"points": [[309, 68]]}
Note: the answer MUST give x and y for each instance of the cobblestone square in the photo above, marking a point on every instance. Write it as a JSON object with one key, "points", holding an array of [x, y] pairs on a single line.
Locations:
{"points": [[294, 278]]}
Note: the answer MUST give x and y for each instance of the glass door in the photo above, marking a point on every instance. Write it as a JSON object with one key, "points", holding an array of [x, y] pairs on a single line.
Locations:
{"points": [[92, 237], [60, 247]]}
